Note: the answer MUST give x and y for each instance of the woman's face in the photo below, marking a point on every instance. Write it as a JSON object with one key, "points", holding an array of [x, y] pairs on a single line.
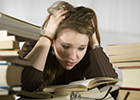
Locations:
{"points": [[70, 47]]}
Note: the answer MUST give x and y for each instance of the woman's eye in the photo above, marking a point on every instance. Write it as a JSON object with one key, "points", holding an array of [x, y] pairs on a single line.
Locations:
{"points": [[65, 47], [81, 48]]}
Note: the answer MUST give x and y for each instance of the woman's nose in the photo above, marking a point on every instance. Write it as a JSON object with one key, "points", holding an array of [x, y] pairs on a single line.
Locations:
{"points": [[72, 54]]}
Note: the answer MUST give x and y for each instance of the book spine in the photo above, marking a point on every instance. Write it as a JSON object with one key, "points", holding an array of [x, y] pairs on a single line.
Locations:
{"points": [[4, 87], [5, 63], [129, 88], [10, 50], [128, 67]]}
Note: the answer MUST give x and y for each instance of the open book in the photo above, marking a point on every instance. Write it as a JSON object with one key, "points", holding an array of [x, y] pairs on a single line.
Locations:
{"points": [[81, 85], [92, 94], [65, 93]]}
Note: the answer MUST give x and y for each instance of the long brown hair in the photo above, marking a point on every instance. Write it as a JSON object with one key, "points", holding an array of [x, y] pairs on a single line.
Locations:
{"points": [[77, 19]]}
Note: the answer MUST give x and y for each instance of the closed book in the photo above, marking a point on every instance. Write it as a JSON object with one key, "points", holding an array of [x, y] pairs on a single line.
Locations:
{"points": [[15, 61], [126, 63], [3, 91], [7, 97], [8, 38], [3, 33], [3, 61], [133, 94], [125, 57], [11, 53], [22, 29], [131, 76], [120, 53], [10, 75], [9, 44], [116, 49]]}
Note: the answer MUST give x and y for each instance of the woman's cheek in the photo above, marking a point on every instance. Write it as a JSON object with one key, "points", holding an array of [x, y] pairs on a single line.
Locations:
{"points": [[62, 53]]}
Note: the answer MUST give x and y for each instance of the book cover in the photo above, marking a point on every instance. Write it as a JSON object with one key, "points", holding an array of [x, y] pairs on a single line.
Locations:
{"points": [[11, 53], [10, 75], [3, 33], [115, 47], [126, 63], [131, 76], [7, 97], [22, 29], [125, 57], [8, 44], [134, 94]]}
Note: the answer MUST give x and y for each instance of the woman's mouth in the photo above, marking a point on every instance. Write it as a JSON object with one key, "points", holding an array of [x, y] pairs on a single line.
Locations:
{"points": [[70, 63]]}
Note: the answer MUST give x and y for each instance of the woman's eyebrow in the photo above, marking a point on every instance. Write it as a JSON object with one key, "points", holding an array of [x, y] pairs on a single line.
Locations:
{"points": [[83, 45], [67, 43]]}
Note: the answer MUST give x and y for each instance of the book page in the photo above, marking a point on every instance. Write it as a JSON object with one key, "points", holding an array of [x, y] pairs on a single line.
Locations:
{"points": [[52, 88], [81, 82]]}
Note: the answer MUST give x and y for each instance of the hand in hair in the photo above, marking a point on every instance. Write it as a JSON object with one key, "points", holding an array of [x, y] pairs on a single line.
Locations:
{"points": [[54, 22], [94, 37]]}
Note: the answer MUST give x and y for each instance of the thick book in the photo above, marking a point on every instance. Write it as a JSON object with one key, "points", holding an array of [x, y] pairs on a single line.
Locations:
{"points": [[6, 90], [129, 94], [131, 76], [3, 33], [3, 91], [10, 75], [7, 97], [10, 53], [15, 61], [125, 57], [10, 37], [123, 52], [126, 63], [22, 29], [9, 44], [81, 85], [122, 48]]}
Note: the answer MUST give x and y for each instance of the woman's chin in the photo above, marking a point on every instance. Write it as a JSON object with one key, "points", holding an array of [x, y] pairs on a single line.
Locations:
{"points": [[68, 67]]}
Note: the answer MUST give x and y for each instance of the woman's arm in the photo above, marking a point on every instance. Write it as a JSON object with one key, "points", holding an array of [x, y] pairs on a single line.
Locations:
{"points": [[39, 53], [100, 65], [32, 75]]}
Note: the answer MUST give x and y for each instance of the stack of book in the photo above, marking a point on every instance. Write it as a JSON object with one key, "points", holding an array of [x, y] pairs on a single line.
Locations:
{"points": [[12, 32], [127, 58], [10, 75], [24, 31]]}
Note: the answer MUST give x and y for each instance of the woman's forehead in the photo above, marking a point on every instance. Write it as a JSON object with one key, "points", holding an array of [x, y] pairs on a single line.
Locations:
{"points": [[70, 36]]}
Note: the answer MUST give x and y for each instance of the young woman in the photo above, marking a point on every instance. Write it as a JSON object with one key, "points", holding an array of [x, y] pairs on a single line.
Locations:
{"points": [[70, 49]]}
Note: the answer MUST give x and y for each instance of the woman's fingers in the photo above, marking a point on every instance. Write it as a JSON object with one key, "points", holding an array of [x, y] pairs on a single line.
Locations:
{"points": [[59, 13], [58, 16], [92, 23], [54, 22]]}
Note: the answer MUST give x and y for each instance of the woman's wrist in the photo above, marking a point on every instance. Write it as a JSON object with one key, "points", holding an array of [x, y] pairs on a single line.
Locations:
{"points": [[47, 37]]}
